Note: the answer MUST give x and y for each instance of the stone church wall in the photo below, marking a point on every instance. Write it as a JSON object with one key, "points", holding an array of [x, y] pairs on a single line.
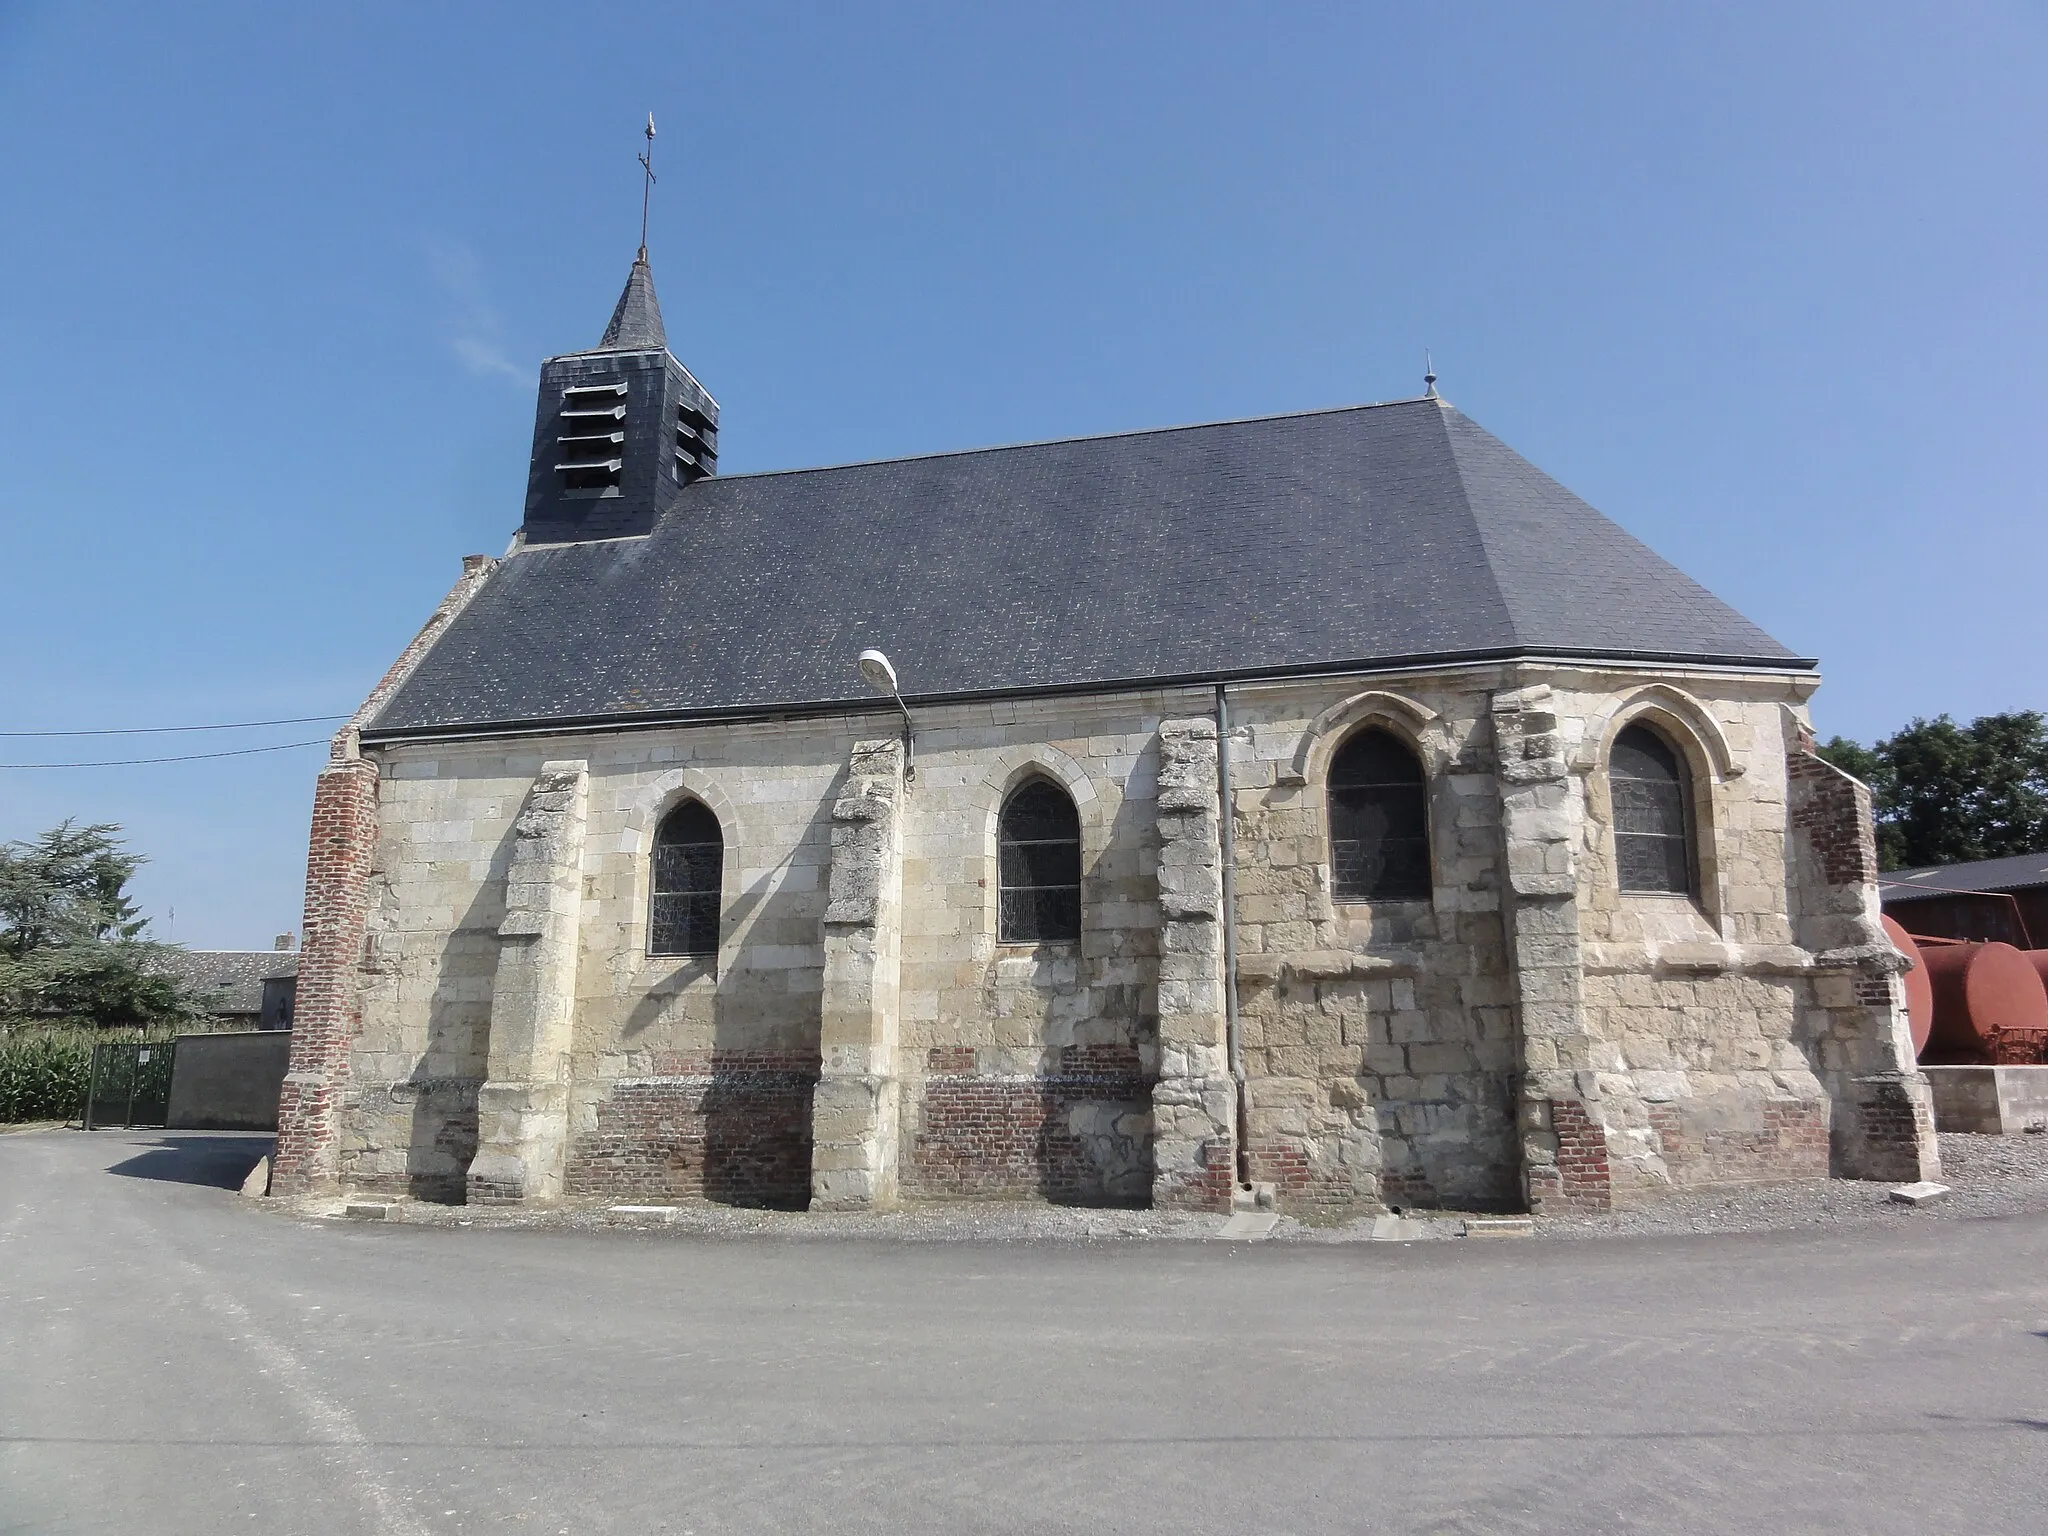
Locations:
{"points": [[1527, 1035]]}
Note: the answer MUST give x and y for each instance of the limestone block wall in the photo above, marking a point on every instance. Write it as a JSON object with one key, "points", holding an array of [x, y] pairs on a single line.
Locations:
{"points": [[1526, 1034], [1531, 1032], [1027, 1070], [685, 1076], [1380, 1039], [1018, 1069]]}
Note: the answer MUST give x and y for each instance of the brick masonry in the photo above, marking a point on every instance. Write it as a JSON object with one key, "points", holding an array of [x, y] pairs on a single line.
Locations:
{"points": [[328, 1017], [1579, 1178], [1075, 1137], [341, 853], [735, 1128]]}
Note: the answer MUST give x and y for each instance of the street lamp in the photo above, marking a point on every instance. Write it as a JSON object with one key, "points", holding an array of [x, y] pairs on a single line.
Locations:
{"points": [[879, 675]]}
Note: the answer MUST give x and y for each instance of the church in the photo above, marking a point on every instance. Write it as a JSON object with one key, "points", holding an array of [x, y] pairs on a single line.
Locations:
{"points": [[1327, 811]]}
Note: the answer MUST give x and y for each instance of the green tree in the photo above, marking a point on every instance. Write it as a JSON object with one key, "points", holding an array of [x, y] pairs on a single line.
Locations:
{"points": [[1951, 794], [72, 942]]}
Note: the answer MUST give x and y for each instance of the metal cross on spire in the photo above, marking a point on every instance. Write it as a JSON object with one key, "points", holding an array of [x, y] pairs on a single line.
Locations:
{"points": [[647, 185]]}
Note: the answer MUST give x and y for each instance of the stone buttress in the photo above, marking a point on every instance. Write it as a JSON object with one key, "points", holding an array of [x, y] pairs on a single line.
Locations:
{"points": [[1883, 1121], [523, 1105], [856, 1109], [1193, 1103], [1564, 1145]]}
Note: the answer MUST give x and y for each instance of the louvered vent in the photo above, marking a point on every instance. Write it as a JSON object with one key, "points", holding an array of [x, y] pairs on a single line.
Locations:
{"points": [[696, 444], [590, 446]]}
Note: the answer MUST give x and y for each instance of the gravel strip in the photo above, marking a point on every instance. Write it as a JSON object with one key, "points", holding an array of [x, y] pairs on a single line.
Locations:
{"points": [[1988, 1176]]}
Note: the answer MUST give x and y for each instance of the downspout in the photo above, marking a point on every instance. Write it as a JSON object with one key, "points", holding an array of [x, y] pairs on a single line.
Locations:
{"points": [[1233, 1034]]}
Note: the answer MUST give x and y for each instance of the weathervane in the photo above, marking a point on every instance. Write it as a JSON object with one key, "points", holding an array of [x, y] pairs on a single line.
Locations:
{"points": [[1428, 365], [646, 186]]}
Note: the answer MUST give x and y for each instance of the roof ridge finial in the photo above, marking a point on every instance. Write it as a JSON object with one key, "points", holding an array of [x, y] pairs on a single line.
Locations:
{"points": [[1428, 377], [646, 185]]}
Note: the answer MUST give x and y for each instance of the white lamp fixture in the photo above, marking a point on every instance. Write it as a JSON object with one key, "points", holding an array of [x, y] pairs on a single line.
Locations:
{"points": [[876, 671], [878, 674]]}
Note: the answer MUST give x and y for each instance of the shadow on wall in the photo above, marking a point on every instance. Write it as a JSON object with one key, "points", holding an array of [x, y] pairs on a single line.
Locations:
{"points": [[731, 1123], [1098, 1145], [441, 1092], [1078, 1132], [216, 1162]]}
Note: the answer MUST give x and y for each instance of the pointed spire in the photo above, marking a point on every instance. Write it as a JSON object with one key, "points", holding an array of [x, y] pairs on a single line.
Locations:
{"points": [[636, 323]]}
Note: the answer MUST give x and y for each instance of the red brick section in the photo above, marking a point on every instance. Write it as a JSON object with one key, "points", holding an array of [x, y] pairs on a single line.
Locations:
{"points": [[1282, 1162], [1889, 1121], [1581, 1179], [339, 856], [1878, 1122], [329, 1011], [728, 1126], [1835, 819], [1007, 1137]]}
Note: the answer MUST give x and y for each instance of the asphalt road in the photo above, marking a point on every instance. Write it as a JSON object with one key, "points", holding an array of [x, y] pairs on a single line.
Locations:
{"points": [[175, 1361]]}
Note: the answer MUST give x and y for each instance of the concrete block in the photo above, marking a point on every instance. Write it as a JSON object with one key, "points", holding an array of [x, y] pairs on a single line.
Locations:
{"points": [[1249, 1226], [660, 1213], [1922, 1193]]}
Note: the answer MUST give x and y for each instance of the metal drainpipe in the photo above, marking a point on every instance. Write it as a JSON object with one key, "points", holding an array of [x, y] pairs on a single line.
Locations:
{"points": [[1232, 1034]]}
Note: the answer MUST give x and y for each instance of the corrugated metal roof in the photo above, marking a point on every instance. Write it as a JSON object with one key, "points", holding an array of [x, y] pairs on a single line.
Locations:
{"points": [[2013, 874]]}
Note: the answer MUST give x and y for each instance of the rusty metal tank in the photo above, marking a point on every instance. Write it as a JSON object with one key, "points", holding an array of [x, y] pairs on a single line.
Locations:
{"points": [[2038, 959], [1919, 990], [1982, 993]]}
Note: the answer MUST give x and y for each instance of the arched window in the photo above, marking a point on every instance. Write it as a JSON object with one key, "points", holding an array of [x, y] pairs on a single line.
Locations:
{"points": [[689, 860], [1379, 821], [1652, 824], [1038, 857]]}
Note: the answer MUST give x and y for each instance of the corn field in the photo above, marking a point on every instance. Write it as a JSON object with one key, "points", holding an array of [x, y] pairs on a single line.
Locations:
{"points": [[45, 1067]]}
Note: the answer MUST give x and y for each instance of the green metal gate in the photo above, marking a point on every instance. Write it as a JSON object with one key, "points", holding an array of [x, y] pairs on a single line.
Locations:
{"points": [[131, 1084]]}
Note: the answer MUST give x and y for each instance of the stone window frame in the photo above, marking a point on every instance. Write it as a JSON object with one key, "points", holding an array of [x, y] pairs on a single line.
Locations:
{"points": [[1011, 770], [677, 808], [650, 808], [1025, 787], [1355, 734], [1690, 729], [1416, 726]]}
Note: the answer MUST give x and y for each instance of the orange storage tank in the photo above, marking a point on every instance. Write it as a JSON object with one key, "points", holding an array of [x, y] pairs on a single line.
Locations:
{"points": [[1980, 989], [2038, 959], [1919, 989]]}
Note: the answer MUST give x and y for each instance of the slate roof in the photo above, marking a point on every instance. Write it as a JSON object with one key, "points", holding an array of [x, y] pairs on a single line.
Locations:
{"points": [[636, 319], [1366, 535], [231, 980], [2014, 874]]}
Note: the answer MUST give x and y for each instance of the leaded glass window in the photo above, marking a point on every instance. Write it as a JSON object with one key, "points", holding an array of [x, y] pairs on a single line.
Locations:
{"points": [[1038, 853], [689, 862], [1379, 821], [1652, 834]]}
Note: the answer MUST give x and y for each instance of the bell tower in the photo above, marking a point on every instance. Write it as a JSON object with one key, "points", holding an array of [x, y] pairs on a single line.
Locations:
{"points": [[619, 429]]}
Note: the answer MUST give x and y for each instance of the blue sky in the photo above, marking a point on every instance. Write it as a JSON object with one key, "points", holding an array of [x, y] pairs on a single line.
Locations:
{"points": [[1764, 283]]}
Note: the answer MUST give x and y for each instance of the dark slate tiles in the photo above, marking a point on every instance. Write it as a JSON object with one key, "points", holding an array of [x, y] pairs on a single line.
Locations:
{"points": [[1367, 534]]}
